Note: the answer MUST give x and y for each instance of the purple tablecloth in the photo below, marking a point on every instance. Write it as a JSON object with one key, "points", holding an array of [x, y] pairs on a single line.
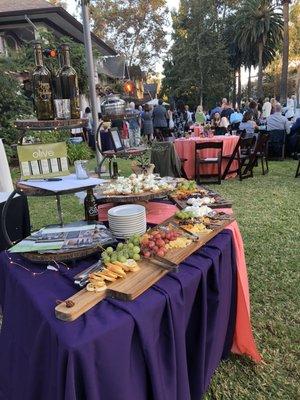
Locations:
{"points": [[164, 345]]}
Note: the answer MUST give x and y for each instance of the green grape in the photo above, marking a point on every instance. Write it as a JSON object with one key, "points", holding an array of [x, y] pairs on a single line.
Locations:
{"points": [[136, 250], [120, 258], [109, 250], [130, 245], [113, 258], [136, 257], [120, 246]]}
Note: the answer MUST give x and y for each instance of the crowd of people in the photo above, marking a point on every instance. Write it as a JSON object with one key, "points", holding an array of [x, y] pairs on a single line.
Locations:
{"points": [[163, 122]]}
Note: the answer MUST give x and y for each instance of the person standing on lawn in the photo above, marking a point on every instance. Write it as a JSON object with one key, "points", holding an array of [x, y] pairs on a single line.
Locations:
{"points": [[266, 109], [134, 121], [160, 122], [147, 122]]}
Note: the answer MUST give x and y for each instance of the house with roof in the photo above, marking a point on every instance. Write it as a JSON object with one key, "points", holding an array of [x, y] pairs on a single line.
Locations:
{"points": [[18, 19]]}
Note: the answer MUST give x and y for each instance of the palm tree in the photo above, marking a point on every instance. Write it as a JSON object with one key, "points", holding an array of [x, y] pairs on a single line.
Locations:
{"points": [[285, 51], [258, 25]]}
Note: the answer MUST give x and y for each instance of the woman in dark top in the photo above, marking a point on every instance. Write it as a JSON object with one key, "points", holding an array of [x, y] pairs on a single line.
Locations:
{"points": [[147, 122], [180, 119], [254, 110]]}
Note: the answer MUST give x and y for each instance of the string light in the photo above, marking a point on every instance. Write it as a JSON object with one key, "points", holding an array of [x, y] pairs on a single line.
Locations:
{"points": [[34, 274]]}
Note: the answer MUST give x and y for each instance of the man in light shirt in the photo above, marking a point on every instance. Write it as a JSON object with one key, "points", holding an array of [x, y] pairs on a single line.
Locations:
{"points": [[277, 121], [266, 108]]}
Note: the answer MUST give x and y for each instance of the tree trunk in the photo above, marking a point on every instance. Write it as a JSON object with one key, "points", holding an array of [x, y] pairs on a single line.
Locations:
{"points": [[234, 89], [249, 82], [239, 96], [260, 70], [285, 53]]}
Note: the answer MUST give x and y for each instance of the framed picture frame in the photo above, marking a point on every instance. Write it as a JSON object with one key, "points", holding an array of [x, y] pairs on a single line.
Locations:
{"points": [[116, 140]]}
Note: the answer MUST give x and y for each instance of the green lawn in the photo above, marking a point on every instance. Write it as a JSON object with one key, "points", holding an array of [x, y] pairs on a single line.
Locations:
{"points": [[267, 209]]}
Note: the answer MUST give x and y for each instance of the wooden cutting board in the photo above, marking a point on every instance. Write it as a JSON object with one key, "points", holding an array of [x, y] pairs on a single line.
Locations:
{"points": [[129, 288], [179, 255], [220, 201], [135, 283]]}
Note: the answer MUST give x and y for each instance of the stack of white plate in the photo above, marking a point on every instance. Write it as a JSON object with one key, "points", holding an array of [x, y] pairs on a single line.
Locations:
{"points": [[127, 220]]}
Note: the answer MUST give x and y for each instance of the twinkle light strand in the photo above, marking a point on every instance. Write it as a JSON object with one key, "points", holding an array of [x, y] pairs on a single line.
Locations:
{"points": [[55, 269]]}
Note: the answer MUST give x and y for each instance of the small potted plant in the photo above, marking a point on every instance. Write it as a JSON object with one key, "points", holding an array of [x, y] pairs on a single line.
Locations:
{"points": [[142, 165]]}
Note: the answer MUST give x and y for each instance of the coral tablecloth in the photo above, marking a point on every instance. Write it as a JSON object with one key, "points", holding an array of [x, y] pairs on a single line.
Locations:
{"points": [[186, 149], [243, 341]]}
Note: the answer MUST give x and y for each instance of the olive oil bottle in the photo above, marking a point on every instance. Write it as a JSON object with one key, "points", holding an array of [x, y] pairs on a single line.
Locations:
{"points": [[69, 82], [42, 87]]}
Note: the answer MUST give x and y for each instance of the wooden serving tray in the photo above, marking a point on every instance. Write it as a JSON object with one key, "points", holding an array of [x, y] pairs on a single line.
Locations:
{"points": [[135, 283], [179, 255], [129, 198], [220, 202], [129, 288]]}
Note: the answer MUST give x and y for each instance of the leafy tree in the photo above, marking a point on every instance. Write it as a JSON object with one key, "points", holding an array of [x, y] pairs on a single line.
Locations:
{"points": [[197, 68], [13, 105], [258, 25], [136, 28]]}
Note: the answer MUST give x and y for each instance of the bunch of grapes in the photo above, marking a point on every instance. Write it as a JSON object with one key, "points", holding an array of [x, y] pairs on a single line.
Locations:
{"points": [[123, 252], [183, 215], [187, 185]]}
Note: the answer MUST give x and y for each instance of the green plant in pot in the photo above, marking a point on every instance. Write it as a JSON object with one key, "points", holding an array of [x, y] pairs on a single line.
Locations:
{"points": [[142, 165]]}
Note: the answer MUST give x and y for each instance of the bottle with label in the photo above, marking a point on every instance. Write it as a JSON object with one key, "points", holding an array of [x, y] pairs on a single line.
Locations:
{"points": [[68, 83], [90, 206], [42, 87]]}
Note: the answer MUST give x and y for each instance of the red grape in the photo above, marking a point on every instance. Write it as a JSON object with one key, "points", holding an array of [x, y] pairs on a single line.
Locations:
{"points": [[160, 252]]}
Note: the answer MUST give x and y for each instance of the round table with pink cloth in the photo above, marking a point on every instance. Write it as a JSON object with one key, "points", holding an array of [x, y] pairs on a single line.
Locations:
{"points": [[186, 149]]}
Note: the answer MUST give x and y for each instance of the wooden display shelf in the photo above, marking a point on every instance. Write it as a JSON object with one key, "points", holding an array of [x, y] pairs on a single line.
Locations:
{"points": [[36, 125]]}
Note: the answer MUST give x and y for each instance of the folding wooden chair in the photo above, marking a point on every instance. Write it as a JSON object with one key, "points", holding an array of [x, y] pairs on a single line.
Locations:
{"points": [[261, 142], [276, 145], [235, 156], [245, 156], [208, 161], [262, 152]]}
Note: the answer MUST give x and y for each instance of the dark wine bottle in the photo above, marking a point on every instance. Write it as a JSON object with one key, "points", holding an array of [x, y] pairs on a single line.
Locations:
{"points": [[69, 82], [42, 88], [90, 206]]}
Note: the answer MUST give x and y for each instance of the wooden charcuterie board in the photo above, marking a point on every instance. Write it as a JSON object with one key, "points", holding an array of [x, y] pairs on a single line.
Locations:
{"points": [[221, 203], [135, 283], [179, 255]]}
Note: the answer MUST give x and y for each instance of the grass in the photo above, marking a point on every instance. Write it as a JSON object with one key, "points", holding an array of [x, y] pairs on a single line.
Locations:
{"points": [[267, 209]]}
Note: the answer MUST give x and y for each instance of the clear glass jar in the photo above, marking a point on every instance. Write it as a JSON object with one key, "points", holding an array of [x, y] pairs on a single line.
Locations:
{"points": [[81, 169]]}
